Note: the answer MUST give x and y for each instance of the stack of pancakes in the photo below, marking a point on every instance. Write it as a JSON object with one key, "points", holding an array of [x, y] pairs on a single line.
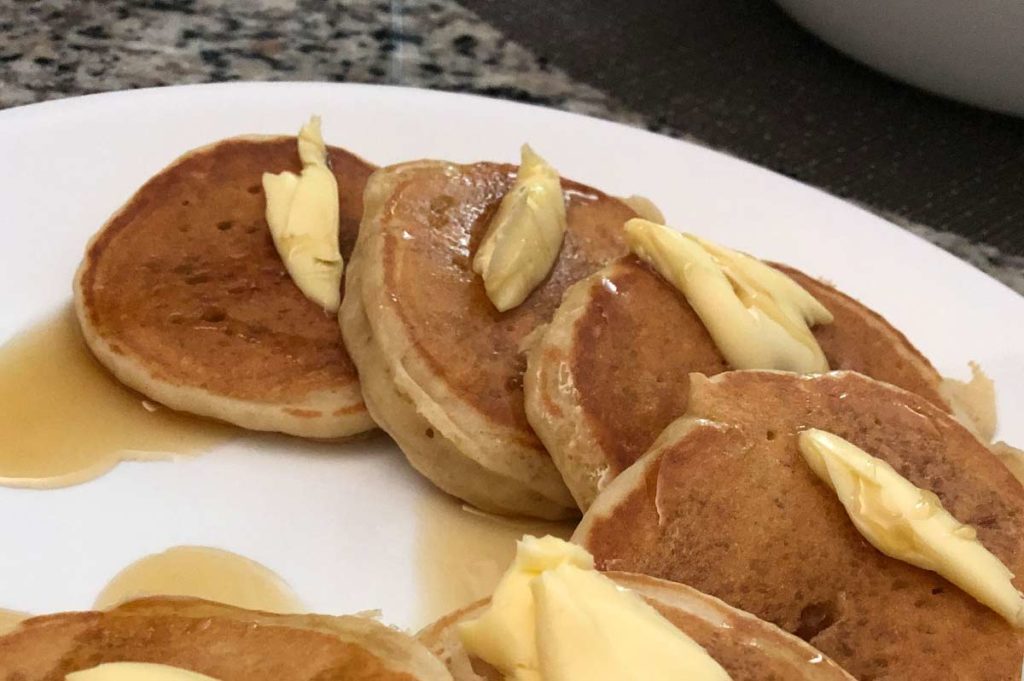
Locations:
{"points": [[602, 392], [442, 369]]}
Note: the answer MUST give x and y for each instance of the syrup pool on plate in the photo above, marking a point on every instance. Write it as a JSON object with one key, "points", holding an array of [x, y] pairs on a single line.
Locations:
{"points": [[463, 552], [202, 572], [9, 619], [66, 420]]}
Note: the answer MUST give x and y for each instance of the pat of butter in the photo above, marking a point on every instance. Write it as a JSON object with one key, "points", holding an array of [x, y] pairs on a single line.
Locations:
{"points": [[303, 216], [136, 671], [908, 523], [1011, 456], [757, 316], [505, 634], [973, 402], [525, 235], [645, 208], [554, 618]]}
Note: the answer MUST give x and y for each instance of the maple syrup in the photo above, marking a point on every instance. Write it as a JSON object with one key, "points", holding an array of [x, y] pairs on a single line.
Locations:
{"points": [[65, 420], [202, 572], [463, 552], [9, 619]]}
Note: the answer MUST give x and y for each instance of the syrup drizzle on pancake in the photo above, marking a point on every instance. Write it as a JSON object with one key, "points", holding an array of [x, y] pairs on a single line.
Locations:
{"points": [[202, 572], [66, 420]]}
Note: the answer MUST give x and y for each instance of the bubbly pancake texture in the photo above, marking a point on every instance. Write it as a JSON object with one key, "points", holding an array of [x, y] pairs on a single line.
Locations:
{"points": [[221, 641], [184, 298], [725, 503], [746, 647], [612, 370], [441, 367]]}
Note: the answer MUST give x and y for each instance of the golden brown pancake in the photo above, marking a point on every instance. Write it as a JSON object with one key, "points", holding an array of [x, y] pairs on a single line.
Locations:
{"points": [[612, 369], [724, 502], [221, 641], [441, 368], [748, 648], [183, 296]]}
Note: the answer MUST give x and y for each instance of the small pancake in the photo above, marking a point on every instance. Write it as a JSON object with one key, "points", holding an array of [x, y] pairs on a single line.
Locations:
{"points": [[725, 502], [221, 641], [441, 368], [184, 298], [612, 368], [747, 648]]}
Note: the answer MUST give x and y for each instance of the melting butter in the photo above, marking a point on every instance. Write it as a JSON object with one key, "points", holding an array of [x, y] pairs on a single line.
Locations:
{"points": [[1012, 457], [523, 239], [202, 572], [505, 635], [973, 402], [554, 618], [66, 420], [645, 208], [303, 216], [757, 316], [910, 524], [136, 671]]}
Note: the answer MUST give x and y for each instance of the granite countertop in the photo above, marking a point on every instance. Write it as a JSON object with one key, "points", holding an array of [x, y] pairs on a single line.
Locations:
{"points": [[60, 48]]}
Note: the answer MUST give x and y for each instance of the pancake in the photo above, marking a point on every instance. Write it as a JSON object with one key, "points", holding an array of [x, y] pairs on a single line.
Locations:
{"points": [[441, 368], [184, 298], [725, 503], [221, 641], [612, 369], [748, 648]]}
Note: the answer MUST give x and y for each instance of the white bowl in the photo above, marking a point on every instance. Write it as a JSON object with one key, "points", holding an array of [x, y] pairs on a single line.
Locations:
{"points": [[970, 50]]}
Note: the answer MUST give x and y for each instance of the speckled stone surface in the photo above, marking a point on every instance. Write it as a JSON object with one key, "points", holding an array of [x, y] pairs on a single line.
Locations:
{"points": [[60, 48]]}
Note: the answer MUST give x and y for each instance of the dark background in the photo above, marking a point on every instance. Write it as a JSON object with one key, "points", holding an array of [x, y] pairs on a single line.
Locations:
{"points": [[739, 75]]}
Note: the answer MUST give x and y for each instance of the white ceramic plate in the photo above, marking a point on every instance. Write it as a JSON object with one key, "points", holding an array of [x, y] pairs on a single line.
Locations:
{"points": [[343, 525]]}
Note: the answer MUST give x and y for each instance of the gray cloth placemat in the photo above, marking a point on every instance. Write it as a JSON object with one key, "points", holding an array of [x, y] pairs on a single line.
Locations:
{"points": [[739, 75]]}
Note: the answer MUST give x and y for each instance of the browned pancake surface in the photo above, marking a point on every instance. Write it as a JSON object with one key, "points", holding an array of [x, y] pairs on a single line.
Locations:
{"points": [[186, 278], [639, 340], [732, 509], [442, 302], [220, 645]]}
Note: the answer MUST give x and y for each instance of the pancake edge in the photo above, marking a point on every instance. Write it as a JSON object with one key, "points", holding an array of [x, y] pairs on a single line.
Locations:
{"points": [[620, 488], [553, 407]]}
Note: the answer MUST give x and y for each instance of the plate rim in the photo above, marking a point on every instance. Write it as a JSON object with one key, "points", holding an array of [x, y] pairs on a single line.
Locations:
{"points": [[22, 112]]}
